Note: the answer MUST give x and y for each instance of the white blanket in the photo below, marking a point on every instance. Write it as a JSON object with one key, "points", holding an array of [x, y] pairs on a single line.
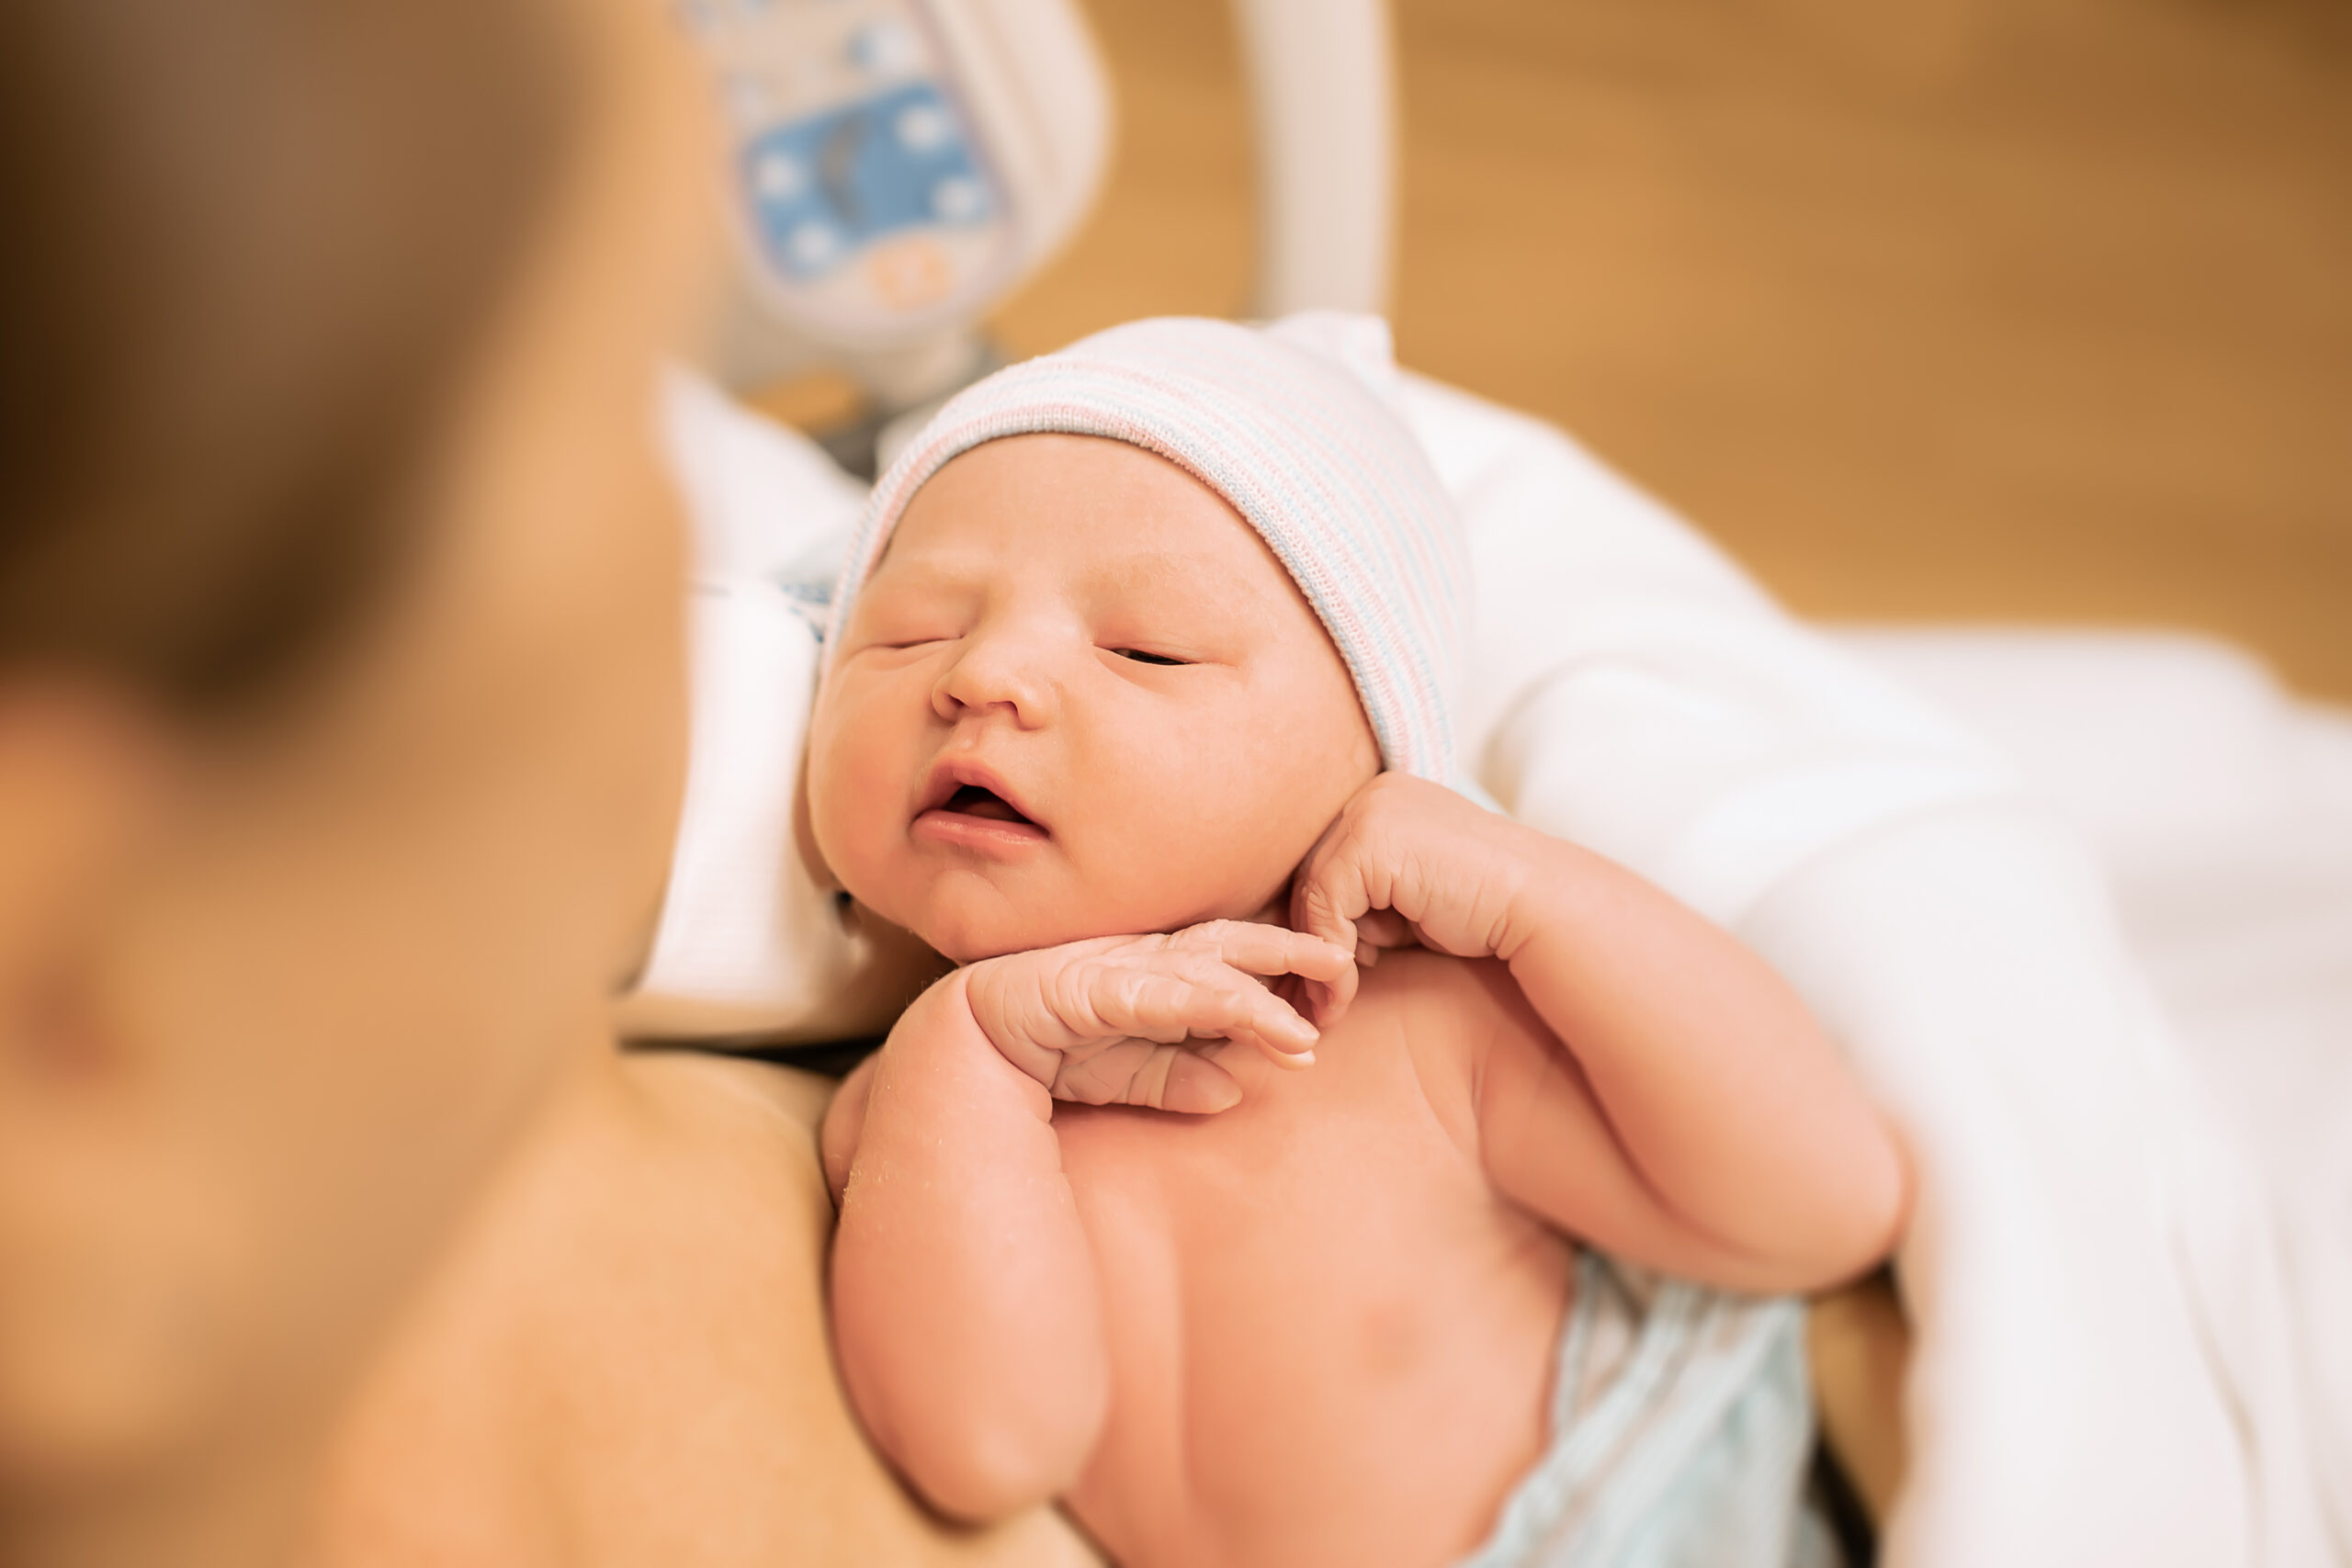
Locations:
{"points": [[2120, 1329], [2222, 815]]}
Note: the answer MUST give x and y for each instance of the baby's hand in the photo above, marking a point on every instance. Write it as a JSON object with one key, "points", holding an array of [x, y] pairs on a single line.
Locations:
{"points": [[1102, 1021], [1410, 862]]}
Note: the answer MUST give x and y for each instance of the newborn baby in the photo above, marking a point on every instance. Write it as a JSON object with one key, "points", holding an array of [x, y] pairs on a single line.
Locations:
{"points": [[1233, 1187]]}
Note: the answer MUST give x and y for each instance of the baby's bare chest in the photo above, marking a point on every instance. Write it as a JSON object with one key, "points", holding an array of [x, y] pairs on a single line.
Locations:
{"points": [[1349, 1169], [1318, 1285]]}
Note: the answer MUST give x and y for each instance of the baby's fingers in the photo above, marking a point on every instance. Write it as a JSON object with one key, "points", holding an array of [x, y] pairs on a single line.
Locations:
{"points": [[1326, 969], [1186, 993], [1257, 948], [1332, 900], [1226, 1003], [1329, 896], [1143, 1072]]}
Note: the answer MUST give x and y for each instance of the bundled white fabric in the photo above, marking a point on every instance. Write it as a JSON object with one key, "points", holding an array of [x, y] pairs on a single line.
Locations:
{"points": [[748, 943], [2221, 814], [2105, 1370]]}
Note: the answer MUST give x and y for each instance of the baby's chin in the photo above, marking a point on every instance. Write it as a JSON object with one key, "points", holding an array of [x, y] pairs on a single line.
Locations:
{"points": [[967, 938], [966, 933]]}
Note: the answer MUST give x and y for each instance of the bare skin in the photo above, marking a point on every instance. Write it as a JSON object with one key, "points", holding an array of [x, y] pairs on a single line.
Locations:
{"points": [[1252, 1272], [625, 1359]]}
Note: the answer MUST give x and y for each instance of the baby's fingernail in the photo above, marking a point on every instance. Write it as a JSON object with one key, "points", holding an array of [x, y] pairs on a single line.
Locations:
{"points": [[1295, 1058]]}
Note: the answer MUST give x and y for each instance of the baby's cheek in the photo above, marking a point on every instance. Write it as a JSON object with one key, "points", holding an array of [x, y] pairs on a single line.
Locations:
{"points": [[853, 788], [866, 848], [1187, 850], [1252, 813]]}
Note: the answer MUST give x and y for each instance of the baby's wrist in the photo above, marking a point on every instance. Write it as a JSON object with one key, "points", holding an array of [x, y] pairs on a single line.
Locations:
{"points": [[1543, 878], [974, 999], [943, 1025]]}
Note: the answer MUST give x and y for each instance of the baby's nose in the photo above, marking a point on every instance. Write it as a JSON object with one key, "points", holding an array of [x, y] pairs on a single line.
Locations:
{"points": [[1010, 670]]}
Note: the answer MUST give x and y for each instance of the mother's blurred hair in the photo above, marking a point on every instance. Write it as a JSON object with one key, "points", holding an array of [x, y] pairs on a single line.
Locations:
{"points": [[250, 248]]}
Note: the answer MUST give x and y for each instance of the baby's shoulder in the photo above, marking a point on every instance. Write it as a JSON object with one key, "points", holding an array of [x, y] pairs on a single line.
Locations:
{"points": [[1441, 1019]]}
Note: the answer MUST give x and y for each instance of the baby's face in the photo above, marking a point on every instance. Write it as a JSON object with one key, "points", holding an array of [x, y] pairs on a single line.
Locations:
{"points": [[1078, 697]]}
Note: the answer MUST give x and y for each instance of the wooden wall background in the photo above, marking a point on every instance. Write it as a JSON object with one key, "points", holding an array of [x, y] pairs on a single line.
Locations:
{"points": [[2034, 310]]}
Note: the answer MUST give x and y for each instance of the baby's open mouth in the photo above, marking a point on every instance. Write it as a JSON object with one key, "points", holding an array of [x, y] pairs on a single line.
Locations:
{"points": [[971, 800], [972, 813]]}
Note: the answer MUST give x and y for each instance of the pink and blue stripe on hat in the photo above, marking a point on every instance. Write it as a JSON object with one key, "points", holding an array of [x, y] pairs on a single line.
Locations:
{"points": [[1288, 424]]}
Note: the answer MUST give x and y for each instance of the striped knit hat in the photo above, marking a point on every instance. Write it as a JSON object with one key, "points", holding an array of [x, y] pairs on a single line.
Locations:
{"points": [[1292, 425]]}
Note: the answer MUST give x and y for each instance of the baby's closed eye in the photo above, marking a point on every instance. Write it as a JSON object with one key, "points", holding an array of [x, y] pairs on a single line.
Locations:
{"points": [[1143, 656], [895, 627]]}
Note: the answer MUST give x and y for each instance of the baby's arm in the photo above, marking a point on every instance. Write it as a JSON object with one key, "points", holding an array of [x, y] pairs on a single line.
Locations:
{"points": [[965, 1309], [964, 1305], [1669, 1099]]}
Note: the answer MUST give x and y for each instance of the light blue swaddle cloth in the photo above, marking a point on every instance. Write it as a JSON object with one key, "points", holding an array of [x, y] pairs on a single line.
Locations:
{"points": [[1682, 1430]]}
